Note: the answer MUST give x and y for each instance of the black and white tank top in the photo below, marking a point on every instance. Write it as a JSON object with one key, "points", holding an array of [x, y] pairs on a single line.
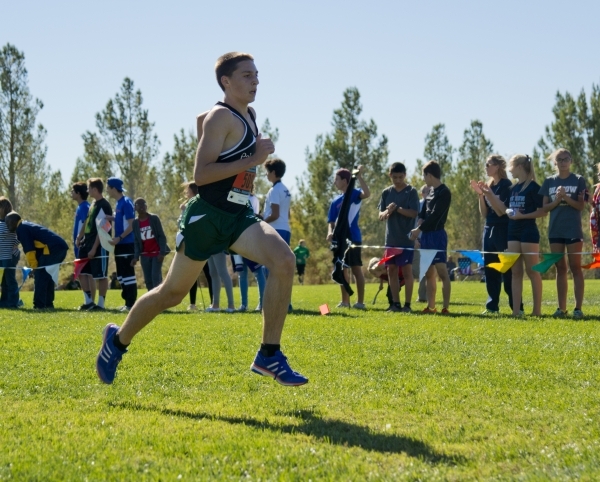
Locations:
{"points": [[232, 194]]}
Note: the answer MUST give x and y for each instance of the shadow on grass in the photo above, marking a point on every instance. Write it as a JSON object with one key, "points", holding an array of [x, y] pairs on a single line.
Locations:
{"points": [[295, 312], [331, 431]]}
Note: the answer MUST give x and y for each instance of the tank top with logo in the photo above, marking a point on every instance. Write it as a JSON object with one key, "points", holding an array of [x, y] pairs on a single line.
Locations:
{"points": [[231, 194]]}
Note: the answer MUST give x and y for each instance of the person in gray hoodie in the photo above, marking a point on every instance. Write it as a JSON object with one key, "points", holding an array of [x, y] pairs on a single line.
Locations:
{"points": [[150, 244]]}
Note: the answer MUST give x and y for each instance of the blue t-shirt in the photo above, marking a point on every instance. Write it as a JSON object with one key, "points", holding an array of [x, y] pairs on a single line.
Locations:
{"points": [[81, 214], [124, 212], [353, 212]]}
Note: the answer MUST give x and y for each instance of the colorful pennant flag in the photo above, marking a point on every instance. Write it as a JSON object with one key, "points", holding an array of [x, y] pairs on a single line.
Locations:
{"points": [[53, 271], [25, 271], [506, 262], [427, 256], [79, 264], [474, 256], [389, 254], [548, 260], [594, 264]]}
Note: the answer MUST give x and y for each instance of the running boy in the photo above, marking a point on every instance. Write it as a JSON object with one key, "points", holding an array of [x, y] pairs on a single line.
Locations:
{"points": [[218, 219]]}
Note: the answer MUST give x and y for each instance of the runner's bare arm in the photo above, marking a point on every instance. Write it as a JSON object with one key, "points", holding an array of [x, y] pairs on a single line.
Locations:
{"points": [[217, 126]]}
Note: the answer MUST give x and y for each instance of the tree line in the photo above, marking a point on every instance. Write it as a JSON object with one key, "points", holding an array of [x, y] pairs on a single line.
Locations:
{"points": [[124, 144]]}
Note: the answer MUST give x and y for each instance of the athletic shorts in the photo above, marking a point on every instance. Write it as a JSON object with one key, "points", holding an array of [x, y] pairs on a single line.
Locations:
{"points": [[353, 256], [402, 259], [208, 230], [96, 267], [565, 240], [300, 268], [525, 234], [436, 240]]}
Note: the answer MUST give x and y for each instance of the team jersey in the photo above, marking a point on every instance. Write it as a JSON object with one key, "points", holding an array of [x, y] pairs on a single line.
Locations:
{"points": [[91, 230], [353, 213], [150, 246], [302, 253], [231, 194], [38, 240], [124, 216]]}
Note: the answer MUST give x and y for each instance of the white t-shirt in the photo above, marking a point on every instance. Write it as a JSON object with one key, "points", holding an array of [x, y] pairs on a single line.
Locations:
{"points": [[280, 195]]}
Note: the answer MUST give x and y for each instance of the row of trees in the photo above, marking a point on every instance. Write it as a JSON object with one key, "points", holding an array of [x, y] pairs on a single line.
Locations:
{"points": [[124, 144]]}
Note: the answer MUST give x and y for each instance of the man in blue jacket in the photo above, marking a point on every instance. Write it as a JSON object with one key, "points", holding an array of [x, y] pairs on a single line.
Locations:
{"points": [[42, 248]]}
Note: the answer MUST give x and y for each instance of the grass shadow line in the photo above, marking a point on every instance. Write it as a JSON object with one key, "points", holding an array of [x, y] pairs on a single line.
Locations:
{"points": [[330, 430]]}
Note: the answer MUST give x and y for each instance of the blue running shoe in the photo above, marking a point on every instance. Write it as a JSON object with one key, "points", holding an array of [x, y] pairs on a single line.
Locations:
{"points": [[109, 356], [277, 367]]}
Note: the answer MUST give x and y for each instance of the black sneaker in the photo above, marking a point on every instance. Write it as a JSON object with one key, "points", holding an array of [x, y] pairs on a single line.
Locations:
{"points": [[97, 308], [86, 306]]}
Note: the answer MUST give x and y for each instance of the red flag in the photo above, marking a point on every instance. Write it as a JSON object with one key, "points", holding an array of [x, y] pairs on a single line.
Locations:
{"points": [[79, 264], [390, 253], [594, 264], [324, 309]]}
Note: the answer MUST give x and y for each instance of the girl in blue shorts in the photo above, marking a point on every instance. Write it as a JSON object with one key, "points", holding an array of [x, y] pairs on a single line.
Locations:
{"points": [[525, 206]]}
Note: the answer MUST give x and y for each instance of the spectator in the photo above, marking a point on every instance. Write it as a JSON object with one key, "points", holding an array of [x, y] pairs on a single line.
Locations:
{"points": [[150, 247], [564, 195], [422, 294], [398, 207], [89, 242], [9, 259], [79, 194], [302, 254], [433, 216], [493, 201], [42, 248], [525, 205], [353, 258], [277, 203], [123, 241]]}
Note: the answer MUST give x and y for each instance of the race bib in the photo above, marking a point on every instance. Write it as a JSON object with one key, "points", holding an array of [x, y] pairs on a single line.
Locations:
{"points": [[242, 186]]}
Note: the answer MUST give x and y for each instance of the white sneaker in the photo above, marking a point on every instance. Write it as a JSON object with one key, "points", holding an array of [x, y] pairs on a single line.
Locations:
{"points": [[192, 308], [124, 309], [258, 308], [359, 306], [341, 304], [242, 308], [210, 309], [229, 310]]}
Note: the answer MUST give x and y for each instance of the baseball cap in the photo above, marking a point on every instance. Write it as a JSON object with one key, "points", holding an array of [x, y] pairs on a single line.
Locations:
{"points": [[116, 183]]}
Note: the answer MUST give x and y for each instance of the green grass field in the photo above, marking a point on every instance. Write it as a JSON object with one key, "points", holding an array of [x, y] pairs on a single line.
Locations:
{"points": [[391, 397]]}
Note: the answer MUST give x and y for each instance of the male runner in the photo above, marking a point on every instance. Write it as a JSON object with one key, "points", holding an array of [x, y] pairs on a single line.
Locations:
{"points": [[220, 218]]}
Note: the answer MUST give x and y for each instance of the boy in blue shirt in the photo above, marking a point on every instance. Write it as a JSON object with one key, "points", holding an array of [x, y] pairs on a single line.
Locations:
{"points": [[79, 194], [42, 248], [123, 241]]}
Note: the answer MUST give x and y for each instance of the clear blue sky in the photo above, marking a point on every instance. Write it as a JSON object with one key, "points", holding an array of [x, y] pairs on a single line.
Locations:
{"points": [[415, 64]]}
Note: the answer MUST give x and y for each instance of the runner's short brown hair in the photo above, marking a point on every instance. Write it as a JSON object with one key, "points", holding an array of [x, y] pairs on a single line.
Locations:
{"points": [[227, 63]]}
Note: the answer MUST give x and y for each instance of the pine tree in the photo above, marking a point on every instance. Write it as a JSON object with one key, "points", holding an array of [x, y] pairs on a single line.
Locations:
{"points": [[352, 142], [24, 173]]}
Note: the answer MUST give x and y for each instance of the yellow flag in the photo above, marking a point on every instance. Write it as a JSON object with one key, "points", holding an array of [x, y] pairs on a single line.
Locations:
{"points": [[1, 273], [505, 263]]}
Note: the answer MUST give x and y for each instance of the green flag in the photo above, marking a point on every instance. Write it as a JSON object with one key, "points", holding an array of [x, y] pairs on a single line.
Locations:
{"points": [[548, 259]]}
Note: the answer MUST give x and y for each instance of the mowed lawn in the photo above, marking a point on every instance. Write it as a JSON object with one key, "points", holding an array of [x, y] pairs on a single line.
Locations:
{"points": [[391, 396]]}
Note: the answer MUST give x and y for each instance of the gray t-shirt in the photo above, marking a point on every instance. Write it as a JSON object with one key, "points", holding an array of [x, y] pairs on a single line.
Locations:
{"points": [[565, 221], [398, 226]]}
